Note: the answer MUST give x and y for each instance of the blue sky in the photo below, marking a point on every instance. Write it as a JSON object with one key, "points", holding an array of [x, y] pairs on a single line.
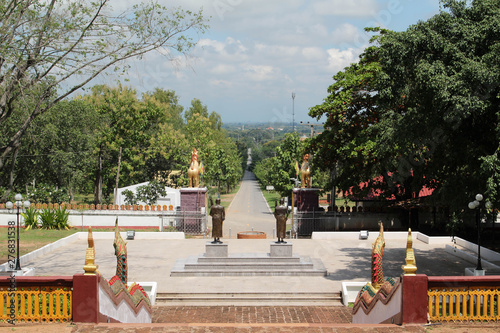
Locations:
{"points": [[257, 52]]}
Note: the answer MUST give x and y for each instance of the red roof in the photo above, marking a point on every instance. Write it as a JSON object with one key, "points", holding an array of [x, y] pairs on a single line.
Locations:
{"points": [[375, 193]]}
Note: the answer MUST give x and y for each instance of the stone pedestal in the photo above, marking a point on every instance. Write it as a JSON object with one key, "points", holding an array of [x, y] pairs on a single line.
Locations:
{"points": [[216, 250], [280, 250], [192, 198], [306, 199], [192, 203]]}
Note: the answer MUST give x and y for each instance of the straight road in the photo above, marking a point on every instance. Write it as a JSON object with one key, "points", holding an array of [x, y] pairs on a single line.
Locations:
{"points": [[249, 210]]}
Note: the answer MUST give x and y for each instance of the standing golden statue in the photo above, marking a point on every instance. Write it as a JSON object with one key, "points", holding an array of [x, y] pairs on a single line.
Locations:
{"points": [[218, 216], [194, 170], [281, 215], [305, 172]]}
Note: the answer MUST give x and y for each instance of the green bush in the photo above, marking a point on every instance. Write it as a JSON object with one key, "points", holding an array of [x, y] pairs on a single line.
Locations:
{"points": [[61, 221], [48, 193], [48, 218], [54, 218], [30, 218]]}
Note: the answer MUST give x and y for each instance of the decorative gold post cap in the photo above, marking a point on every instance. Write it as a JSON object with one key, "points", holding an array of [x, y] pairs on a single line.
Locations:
{"points": [[90, 267], [410, 268]]}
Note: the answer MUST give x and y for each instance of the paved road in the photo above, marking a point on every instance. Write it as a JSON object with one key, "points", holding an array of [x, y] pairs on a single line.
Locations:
{"points": [[249, 210]]}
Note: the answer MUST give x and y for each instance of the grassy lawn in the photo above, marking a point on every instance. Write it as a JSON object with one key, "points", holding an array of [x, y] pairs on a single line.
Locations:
{"points": [[31, 240], [36, 238], [271, 197]]}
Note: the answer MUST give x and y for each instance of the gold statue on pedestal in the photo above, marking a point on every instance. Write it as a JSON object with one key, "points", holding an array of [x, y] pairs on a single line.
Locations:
{"points": [[194, 170], [305, 172]]}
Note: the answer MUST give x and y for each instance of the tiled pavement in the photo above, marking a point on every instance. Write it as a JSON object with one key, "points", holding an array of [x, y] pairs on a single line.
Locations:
{"points": [[253, 314], [252, 319], [247, 319]]}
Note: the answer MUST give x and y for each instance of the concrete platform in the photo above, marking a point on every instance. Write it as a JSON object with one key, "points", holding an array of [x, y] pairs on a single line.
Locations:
{"points": [[344, 260]]}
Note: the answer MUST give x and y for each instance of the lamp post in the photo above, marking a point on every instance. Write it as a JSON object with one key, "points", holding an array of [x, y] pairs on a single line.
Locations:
{"points": [[19, 203], [476, 205], [293, 112]]}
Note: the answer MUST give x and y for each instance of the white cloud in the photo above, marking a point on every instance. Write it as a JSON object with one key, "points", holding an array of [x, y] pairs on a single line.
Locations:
{"points": [[346, 33], [223, 69], [351, 8], [260, 72], [338, 59], [313, 53]]}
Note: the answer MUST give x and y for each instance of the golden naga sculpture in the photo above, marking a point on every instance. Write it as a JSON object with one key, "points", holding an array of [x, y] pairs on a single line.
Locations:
{"points": [[121, 255], [305, 172], [377, 255], [194, 170], [411, 265], [90, 267]]}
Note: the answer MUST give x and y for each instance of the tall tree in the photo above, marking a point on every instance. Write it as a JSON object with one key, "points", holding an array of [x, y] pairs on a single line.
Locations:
{"points": [[444, 74], [60, 46], [128, 123]]}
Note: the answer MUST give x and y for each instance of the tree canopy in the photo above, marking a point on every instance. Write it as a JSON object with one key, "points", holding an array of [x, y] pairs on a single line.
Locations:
{"points": [[421, 108], [50, 49]]}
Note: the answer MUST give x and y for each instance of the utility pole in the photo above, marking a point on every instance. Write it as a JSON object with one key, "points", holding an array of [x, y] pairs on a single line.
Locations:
{"points": [[312, 127], [293, 112]]}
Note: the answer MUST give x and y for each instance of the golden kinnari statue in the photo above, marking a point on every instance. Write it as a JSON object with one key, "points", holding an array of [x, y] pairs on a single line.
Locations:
{"points": [[377, 256], [90, 267], [411, 265], [194, 170], [305, 172]]}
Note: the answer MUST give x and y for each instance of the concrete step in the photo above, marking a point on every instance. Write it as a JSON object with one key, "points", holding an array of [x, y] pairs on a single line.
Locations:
{"points": [[250, 272], [249, 266], [249, 259], [249, 298]]}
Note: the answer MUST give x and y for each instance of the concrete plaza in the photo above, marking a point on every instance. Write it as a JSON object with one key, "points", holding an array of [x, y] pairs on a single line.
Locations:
{"points": [[344, 260]]}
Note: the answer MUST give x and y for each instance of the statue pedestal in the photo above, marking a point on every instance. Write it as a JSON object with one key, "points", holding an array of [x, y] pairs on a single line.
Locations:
{"points": [[306, 199], [193, 206], [192, 198], [216, 250], [280, 250]]}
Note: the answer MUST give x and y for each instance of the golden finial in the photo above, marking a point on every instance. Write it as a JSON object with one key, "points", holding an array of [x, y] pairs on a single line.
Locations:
{"points": [[90, 267], [411, 265], [377, 256]]}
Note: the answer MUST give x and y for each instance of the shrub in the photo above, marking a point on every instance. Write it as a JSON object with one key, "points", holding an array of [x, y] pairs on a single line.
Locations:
{"points": [[61, 221], [30, 218], [48, 218]]}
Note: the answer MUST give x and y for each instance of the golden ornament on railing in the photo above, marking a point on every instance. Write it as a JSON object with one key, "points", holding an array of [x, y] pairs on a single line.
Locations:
{"points": [[411, 265], [90, 267]]}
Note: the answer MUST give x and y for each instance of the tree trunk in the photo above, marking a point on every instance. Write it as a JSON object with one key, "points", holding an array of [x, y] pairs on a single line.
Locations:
{"points": [[117, 175], [98, 180]]}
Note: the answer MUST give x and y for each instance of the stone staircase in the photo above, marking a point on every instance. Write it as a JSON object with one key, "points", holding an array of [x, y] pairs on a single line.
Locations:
{"points": [[249, 299], [248, 265], [278, 262]]}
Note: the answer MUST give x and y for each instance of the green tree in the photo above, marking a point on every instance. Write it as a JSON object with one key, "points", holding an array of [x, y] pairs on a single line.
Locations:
{"points": [[53, 48], [347, 146], [444, 75], [128, 124], [58, 147], [278, 171]]}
